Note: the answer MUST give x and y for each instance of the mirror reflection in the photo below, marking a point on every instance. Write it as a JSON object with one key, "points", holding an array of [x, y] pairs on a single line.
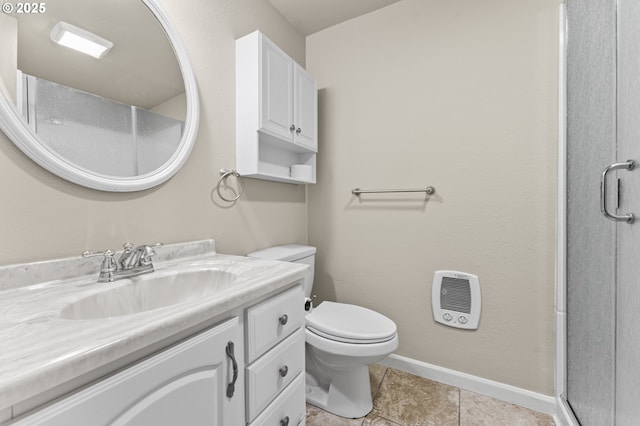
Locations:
{"points": [[118, 115]]}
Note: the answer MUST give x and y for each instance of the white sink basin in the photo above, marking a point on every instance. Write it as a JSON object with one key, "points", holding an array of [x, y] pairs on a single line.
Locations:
{"points": [[148, 292]]}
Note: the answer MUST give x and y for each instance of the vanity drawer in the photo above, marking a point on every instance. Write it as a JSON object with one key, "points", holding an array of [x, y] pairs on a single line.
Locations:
{"points": [[287, 409], [273, 372], [272, 320]]}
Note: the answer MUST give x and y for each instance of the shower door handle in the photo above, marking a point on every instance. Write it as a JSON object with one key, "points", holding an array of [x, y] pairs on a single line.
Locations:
{"points": [[627, 165]]}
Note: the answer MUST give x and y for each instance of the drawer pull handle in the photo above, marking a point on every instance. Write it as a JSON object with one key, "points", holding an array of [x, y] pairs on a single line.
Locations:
{"points": [[284, 319], [231, 387], [285, 421], [283, 371]]}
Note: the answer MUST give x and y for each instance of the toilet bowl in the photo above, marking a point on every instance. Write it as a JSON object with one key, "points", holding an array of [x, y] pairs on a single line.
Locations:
{"points": [[341, 341]]}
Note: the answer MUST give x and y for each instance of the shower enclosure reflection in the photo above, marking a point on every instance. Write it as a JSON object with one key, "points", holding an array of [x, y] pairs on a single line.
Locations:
{"points": [[96, 133], [147, 67]]}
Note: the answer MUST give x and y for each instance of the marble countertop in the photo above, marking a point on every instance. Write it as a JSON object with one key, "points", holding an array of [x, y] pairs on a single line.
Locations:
{"points": [[40, 350]]}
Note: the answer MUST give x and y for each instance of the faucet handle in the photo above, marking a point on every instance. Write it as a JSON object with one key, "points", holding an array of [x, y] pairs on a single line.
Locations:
{"points": [[147, 253], [108, 266], [106, 253]]}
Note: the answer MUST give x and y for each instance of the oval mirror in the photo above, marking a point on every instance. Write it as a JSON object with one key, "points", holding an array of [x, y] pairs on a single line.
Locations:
{"points": [[121, 120]]}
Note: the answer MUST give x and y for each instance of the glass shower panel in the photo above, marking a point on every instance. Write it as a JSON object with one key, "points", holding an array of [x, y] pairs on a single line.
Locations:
{"points": [[628, 235], [591, 142], [88, 130], [156, 138]]}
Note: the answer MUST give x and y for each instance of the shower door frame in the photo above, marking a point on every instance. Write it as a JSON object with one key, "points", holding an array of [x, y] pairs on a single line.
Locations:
{"points": [[564, 414]]}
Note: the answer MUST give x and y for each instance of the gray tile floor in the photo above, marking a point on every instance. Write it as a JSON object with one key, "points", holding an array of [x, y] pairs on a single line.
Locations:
{"points": [[402, 399]]}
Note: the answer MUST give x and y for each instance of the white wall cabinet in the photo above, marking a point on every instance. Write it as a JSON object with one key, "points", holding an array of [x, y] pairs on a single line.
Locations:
{"points": [[185, 384], [276, 112]]}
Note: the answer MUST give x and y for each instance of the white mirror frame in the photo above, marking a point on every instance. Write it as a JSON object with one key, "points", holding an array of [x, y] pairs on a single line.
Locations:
{"points": [[12, 124]]}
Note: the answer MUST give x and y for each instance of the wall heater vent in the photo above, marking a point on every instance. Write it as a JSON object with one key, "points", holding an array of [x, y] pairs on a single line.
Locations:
{"points": [[455, 299]]}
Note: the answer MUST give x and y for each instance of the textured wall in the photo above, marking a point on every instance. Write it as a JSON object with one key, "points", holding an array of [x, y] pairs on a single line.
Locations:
{"points": [[460, 95], [45, 217]]}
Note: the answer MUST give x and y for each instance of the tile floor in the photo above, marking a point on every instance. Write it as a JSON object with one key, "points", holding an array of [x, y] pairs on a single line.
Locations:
{"points": [[402, 399]]}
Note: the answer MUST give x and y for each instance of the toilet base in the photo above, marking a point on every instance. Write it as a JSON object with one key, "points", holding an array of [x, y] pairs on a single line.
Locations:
{"points": [[347, 393]]}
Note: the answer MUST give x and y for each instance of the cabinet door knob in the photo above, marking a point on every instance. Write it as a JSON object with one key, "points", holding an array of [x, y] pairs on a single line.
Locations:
{"points": [[298, 131], [283, 371], [292, 128], [283, 319], [285, 421]]}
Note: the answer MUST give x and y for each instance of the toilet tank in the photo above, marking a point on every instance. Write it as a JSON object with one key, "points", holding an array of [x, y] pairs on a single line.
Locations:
{"points": [[291, 253]]}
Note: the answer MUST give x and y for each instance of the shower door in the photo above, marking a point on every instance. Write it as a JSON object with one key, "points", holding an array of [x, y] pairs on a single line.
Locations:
{"points": [[603, 256], [591, 145], [628, 235]]}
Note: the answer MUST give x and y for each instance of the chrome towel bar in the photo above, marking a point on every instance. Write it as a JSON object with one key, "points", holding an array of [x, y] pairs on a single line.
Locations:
{"points": [[429, 190]]}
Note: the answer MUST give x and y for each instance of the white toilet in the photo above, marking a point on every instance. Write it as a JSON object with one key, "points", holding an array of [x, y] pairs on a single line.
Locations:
{"points": [[341, 341]]}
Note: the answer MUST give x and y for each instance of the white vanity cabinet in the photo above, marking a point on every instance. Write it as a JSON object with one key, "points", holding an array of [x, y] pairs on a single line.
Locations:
{"points": [[185, 384], [275, 393], [276, 112], [260, 350]]}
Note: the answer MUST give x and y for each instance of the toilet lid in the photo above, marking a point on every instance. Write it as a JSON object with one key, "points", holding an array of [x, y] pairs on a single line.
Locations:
{"points": [[350, 323]]}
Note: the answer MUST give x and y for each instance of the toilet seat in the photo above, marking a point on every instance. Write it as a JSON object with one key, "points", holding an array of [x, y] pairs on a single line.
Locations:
{"points": [[346, 323]]}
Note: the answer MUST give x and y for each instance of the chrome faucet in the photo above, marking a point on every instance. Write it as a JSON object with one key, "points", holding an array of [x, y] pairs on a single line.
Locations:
{"points": [[132, 262]]}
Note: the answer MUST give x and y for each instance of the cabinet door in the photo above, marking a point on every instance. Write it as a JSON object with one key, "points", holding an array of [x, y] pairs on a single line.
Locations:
{"points": [[277, 86], [185, 384], [305, 107]]}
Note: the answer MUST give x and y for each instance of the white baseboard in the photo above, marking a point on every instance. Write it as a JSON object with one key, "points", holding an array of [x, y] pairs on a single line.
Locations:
{"points": [[532, 400]]}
